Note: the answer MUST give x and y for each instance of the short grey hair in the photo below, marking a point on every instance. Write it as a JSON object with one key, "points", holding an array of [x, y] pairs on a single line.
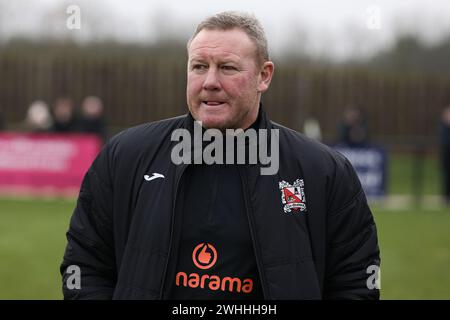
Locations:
{"points": [[248, 23]]}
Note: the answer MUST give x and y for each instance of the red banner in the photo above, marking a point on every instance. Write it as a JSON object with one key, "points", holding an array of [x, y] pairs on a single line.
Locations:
{"points": [[45, 164]]}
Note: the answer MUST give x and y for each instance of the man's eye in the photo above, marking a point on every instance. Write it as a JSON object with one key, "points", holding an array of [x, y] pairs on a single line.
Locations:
{"points": [[229, 68], [199, 67]]}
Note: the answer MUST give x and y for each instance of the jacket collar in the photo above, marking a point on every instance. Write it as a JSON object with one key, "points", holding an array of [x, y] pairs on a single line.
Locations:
{"points": [[262, 122]]}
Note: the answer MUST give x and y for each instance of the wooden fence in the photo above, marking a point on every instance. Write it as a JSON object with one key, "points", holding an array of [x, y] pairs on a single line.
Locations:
{"points": [[136, 88]]}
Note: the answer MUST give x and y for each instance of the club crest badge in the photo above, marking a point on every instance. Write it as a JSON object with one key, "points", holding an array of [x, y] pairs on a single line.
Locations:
{"points": [[293, 196]]}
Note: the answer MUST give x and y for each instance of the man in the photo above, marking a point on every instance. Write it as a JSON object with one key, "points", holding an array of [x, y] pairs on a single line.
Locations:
{"points": [[444, 132], [64, 118], [91, 118], [148, 228], [353, 129]]}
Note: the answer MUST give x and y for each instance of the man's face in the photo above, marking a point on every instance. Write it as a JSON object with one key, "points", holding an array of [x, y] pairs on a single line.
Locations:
{"points": [[224, 80], [63, 110]]}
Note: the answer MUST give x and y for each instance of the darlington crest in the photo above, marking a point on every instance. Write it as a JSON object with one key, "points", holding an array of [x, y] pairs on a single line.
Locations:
{"points": [[293, 196]]}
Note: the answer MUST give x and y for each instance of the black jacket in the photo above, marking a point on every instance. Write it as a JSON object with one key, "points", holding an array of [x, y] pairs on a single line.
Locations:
{"points": [[121, 232]]}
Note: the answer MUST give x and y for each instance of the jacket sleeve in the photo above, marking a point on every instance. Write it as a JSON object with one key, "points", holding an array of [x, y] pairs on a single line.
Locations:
{"points": [[352, 245], [90, 238]]}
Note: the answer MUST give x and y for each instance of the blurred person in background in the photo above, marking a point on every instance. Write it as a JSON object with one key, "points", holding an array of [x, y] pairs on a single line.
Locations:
{"points": [[92, 118], [312, 129], [353, 130], [64, 116], [39, 118], [445, 151]]}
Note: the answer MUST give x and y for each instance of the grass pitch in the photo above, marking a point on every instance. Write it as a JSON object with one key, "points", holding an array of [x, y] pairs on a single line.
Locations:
{"points": [[415, 248]]}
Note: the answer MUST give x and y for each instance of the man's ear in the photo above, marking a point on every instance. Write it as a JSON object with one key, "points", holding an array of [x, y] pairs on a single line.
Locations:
{"points": [[265, 76]]}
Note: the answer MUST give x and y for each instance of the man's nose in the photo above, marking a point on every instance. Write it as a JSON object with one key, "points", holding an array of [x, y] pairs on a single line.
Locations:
{"points": [[211, 81]]}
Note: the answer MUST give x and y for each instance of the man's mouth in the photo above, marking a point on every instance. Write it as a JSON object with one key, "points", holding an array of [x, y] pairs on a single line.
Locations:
{"points": [[213, 103]]}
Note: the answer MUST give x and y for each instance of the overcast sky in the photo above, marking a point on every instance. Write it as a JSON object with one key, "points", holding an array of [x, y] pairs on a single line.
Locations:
{"points": [[342, 27]]}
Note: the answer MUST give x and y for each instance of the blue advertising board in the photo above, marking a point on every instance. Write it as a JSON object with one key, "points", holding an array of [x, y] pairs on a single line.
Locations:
{"points": [[370, 163]]}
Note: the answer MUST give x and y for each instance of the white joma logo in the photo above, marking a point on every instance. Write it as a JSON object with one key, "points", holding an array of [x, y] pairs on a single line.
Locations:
{"points": [[154, 176]]}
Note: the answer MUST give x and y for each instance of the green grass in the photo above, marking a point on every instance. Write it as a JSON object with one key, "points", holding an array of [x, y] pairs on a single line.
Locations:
{"points": [[415, 253], [32, 242], [415, 248], [403, 172]]}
